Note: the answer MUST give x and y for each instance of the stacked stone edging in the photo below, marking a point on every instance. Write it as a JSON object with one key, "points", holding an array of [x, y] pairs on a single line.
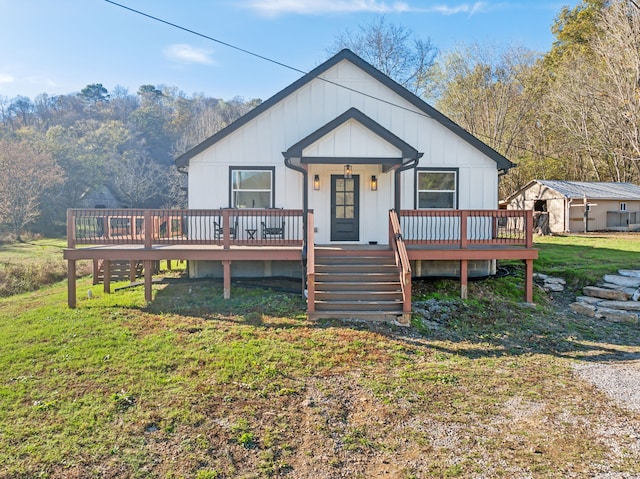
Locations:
{"points": [[616, 299], [549, 283]]}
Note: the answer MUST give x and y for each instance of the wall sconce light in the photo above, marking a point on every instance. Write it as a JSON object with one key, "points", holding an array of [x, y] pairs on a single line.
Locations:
{"points": [[316, 182], [374, 183], [347, 171]]}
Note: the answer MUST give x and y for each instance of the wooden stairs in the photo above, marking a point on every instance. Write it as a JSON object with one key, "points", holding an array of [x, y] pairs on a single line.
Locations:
{"points": [[357, 284], [120, 270]]}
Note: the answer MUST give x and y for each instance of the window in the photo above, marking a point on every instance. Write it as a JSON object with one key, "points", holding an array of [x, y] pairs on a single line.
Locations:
{"points": [[437, 189], [623, 206], [252, 188]]}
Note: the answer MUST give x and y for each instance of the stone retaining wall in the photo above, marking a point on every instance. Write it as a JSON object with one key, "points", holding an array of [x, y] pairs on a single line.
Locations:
{"points": [[616, 299]]}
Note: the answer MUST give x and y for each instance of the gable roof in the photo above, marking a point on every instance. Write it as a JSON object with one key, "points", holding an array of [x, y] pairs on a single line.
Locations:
{"points": [[592, 190], [406, 151], [501, 162]]}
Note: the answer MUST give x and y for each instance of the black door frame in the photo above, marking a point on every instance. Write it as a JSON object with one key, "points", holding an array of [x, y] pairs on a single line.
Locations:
{"points": [[345, 229]]}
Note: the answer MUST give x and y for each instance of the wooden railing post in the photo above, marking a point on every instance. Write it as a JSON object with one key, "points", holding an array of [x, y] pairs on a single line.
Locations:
{"points": [[464, 241], [71, 228], [148, 229], [226, 229], [529, 228]]}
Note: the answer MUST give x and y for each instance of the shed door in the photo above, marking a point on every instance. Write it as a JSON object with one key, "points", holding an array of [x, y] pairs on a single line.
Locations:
{"points": [[345, 214]]}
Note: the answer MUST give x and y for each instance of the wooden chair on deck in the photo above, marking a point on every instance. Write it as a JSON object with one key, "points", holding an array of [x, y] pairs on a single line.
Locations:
{"points": [[218, 230], [274, 229]]}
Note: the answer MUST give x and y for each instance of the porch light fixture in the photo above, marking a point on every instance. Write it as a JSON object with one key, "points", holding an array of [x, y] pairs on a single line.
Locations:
{"points": [[347, 171], [374, 183], [316, 182]]}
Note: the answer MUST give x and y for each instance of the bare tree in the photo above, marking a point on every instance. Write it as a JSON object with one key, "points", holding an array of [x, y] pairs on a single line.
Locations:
{"points": [[395, 51], [494, 93], [595, 98], [26, 174]]}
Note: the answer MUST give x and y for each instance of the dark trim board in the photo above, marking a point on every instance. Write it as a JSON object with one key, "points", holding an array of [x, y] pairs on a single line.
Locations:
{"points": [[407, 150]]}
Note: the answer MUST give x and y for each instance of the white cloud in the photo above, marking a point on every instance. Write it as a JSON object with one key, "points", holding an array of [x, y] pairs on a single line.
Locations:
{"points": [[183, 53], [469, 8], [6, 79], [40, 80], [318, 7], [272, 8]]}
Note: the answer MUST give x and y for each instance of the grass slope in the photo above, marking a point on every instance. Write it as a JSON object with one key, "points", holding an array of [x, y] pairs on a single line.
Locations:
{"points": [[195, 386]]}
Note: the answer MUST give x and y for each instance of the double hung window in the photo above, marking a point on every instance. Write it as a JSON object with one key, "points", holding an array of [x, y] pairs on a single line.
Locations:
{"points": [[437, 189], [252, 188]]}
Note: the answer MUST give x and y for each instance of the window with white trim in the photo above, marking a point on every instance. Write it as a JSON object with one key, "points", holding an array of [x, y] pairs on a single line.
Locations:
{"points": [[623, 206], [437, 189], [251, 188]]}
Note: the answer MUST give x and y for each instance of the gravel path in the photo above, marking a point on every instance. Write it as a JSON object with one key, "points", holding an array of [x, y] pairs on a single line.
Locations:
{"points": [[620, 380]]}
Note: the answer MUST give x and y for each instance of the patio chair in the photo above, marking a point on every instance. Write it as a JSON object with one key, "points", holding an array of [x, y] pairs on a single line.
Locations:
{"points": [[274, 229], [218, 230]]}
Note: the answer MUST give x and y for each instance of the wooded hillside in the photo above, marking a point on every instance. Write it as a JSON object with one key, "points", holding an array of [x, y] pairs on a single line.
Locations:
{"points": [[570, 113]]}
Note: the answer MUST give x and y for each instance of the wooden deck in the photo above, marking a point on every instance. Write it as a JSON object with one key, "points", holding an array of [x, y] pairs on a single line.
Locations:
{"points": [[282, 235]]}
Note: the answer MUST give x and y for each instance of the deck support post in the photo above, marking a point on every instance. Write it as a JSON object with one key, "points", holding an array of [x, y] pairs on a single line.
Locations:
{"points": [[528, 281], [148, 279], [96, 271], [71, 283], [464, 273], [106, 268], [132, 271], [226, 268]]}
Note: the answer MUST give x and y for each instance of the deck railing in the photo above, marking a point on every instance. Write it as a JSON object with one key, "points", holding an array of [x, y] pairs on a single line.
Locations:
{"points": [[402, 259], [223, 227], [465, 228]]}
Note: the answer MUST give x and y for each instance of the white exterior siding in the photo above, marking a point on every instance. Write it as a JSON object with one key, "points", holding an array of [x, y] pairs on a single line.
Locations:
{"points": [[261, 141]]}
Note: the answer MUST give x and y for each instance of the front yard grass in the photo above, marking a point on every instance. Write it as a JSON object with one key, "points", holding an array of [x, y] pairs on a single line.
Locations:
{"points": [[192, 385]]}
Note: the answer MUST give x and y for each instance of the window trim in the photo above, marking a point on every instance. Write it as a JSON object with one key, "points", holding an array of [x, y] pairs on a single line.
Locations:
{"points": [[623, 206], [456, 171], [272, 169]]}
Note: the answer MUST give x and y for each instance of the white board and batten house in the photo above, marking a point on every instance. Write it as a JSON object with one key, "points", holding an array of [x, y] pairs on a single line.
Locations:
{"points": [[577, 206], [349, 143], [344, 179]]}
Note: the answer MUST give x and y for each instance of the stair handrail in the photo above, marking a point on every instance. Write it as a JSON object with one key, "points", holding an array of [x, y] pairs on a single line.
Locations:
{"points": [[311, 264], [402, 259]]}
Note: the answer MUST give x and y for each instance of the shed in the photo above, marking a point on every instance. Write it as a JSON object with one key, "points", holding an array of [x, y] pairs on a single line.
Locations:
{"points": [[578, 206]]}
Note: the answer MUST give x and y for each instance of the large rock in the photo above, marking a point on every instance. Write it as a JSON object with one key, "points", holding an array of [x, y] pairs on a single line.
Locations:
{"points": [[583, 308], [603, 293], [633, 273], [630, 292], [588, 300], [552, 280], [626, 281], [625, 305], [618, 316], [553, 287]]}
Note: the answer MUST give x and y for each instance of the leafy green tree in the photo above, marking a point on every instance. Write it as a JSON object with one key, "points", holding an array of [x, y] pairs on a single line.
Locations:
{"points": [[94, 93]]}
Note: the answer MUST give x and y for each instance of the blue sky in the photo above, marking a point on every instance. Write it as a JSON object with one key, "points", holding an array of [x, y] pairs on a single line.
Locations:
{"points": [[60, 46]]}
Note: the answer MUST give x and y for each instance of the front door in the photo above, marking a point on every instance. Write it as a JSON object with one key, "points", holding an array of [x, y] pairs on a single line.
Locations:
{"points": [[345, 214]]}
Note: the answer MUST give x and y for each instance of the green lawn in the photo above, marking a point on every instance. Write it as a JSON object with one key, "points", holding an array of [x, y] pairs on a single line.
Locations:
{"points": [[193, 386], [584, 259]]}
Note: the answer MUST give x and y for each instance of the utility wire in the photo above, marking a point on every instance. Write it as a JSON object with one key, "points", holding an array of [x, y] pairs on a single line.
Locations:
{"points": [[262, 57], [179, 27], [289, 67]]}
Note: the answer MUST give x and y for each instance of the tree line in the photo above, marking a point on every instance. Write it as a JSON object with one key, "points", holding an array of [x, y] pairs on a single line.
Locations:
{"points": [[57, 150], [570, 113]]}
